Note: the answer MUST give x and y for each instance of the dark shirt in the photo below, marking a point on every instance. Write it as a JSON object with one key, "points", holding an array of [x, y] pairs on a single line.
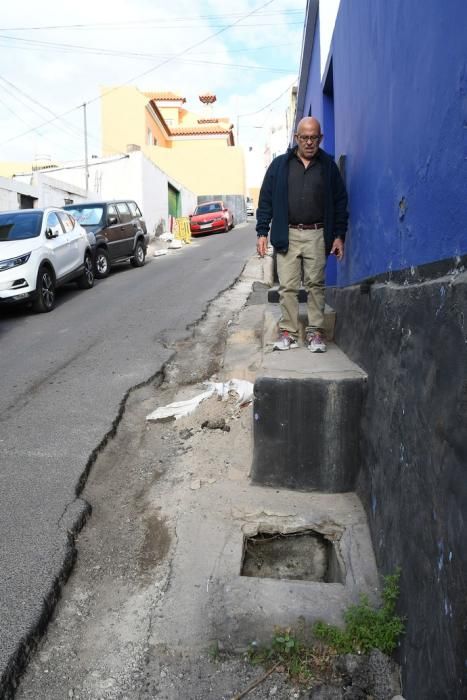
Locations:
{"points": [[306, 192]]}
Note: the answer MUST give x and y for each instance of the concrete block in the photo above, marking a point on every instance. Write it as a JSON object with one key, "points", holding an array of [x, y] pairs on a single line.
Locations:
{"points": [[307, 431]]}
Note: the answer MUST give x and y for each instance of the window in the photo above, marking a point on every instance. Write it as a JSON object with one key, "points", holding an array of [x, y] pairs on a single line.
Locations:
{"points": [[209, 208], [124, 212], [53, 222], [112, 211], [87, 216], [151, 139], [134, 209], [66, 221], [17, 227]]}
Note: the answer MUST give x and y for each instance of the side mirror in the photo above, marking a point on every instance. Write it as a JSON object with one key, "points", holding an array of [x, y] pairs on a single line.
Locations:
{"points": [[50, 233], [112, 219], [190, 216]]}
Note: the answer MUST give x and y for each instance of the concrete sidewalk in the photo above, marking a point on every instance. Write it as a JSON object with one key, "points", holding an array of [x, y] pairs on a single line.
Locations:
{"points": [[209, 599]]}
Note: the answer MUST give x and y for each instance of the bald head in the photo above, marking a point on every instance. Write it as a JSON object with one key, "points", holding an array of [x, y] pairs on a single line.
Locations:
{"points": [[308, 138], [308, 122]]}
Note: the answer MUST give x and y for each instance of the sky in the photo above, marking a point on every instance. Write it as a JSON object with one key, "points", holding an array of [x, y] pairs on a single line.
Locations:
{"points": [[55, 56]]}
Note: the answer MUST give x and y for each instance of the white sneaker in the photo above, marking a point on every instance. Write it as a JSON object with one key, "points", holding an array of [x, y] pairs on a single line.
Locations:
{"points": [[315, 342], [285, 342]]}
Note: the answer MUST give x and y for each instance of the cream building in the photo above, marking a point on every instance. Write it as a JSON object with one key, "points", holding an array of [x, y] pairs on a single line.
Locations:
{"points": [[197, 150]]}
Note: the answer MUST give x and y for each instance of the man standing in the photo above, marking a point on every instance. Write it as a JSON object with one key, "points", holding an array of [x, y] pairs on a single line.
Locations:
{"points": [[304, 196]]}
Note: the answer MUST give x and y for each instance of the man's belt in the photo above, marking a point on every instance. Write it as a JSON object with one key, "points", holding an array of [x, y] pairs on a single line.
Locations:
{"points": [[307, 227]]}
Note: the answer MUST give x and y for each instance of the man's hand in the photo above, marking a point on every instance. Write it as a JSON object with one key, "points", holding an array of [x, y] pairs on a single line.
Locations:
{"points": [[338, 248], [262, 245]]}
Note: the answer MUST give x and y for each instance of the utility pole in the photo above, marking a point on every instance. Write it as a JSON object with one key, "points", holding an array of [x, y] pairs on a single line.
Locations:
{"points": [[86, 163]]}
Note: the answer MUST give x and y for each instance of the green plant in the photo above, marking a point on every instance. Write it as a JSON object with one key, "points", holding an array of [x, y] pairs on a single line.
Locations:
{"points": [[367, 627], [291, 656], [214, 651]]}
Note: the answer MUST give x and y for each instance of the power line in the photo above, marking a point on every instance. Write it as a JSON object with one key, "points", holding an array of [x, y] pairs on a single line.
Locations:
{"points": [[250, 114], [69, 129], [146, 72], [39, 46], [148, 22]]}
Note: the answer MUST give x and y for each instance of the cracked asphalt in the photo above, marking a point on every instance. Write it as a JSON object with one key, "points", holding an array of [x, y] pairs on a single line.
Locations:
{"points": [[65, 378]]}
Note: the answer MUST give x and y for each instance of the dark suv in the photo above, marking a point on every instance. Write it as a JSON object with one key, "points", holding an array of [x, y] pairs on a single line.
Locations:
{"points": [[119, 231]]}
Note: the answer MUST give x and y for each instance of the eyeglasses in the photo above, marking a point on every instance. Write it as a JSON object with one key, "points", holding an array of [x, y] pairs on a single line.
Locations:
{"points": [[304, 139]]}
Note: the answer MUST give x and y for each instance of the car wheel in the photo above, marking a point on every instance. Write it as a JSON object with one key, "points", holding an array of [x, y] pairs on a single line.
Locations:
{"points": [[233, 224], [45, 287], [86, 279], [102, 263], [139, 255]]}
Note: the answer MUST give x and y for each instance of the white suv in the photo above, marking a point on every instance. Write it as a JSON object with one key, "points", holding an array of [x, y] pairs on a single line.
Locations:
{"points": [[41, 249]]}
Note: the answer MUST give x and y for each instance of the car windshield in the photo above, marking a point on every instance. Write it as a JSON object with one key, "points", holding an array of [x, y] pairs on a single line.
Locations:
{"points": [[16, 226], [208, 208], [87, 216]]}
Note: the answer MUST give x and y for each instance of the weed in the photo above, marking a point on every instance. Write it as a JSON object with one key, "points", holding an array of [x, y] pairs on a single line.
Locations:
{"points": [[214, 651], [366, 627]]}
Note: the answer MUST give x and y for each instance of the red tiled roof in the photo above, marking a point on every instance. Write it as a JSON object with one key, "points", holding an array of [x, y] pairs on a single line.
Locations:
{"points": [[197, 130], [165, 96]]}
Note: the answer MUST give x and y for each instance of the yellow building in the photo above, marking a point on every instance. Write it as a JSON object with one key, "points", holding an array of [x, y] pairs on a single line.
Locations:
{"points": [[198, 150]]}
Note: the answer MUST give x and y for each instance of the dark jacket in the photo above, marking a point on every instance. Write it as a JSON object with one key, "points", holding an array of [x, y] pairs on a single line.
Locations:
{"points": [[273, 202]]}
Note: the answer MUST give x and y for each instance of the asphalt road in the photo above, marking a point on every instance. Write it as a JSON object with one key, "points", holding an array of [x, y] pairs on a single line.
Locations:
{"points": [[63, 376]]}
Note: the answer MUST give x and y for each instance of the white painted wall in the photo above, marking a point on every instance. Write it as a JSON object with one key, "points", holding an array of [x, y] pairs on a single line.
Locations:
{"points": [[48, 191], [328, 10], [133, 177]]}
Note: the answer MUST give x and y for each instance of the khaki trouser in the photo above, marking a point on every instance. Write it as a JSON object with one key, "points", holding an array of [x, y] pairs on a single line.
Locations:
{"points": [[307, 246]]}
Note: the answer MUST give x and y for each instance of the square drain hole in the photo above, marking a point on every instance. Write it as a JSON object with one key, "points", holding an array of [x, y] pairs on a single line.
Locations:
{"points": [[303, 556]]}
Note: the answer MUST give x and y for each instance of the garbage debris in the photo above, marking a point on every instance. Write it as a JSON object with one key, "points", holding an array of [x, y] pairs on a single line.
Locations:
{"points": [[217, 424], [186, 433], [161, 251], [240, 387], [178, 409], [175, 244], [166, 236]]}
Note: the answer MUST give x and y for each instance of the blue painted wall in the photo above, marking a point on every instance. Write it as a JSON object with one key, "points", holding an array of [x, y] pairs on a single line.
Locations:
{"points": [[400, 100]]}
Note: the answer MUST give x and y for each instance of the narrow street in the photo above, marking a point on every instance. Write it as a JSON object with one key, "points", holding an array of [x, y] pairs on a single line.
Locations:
{"points": [[66, 380], [110, 636]]}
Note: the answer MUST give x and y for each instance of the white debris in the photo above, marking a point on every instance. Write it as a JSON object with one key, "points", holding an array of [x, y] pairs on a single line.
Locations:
{"points": [[166, 236], [235, 387], [195, 484], [158, 253], [175, 244], [178, 409]]}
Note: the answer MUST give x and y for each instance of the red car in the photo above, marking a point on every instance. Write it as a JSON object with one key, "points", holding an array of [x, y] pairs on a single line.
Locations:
{"points": [[211, 216]]}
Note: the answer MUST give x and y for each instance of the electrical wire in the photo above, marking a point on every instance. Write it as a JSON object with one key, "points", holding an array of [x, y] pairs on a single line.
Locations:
{"points": [[250, 114], [148, 22], [67, 128], [71, 48], [122, 54], [146, 72]]}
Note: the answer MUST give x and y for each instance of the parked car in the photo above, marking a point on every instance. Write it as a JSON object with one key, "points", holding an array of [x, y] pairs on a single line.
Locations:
{"points": [[119, 230], [41, 249], [211, 216], [250, 208]]}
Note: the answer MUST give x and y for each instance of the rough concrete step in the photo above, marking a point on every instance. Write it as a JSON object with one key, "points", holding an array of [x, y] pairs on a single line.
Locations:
{"points": [[307, 411]]}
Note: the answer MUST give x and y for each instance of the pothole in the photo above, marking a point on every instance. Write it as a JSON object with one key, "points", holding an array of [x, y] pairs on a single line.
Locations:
{"points": [[303, 556]]}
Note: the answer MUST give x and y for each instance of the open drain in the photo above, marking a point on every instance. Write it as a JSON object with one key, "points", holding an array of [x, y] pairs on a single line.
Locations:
{"points": [[303, 556]]}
